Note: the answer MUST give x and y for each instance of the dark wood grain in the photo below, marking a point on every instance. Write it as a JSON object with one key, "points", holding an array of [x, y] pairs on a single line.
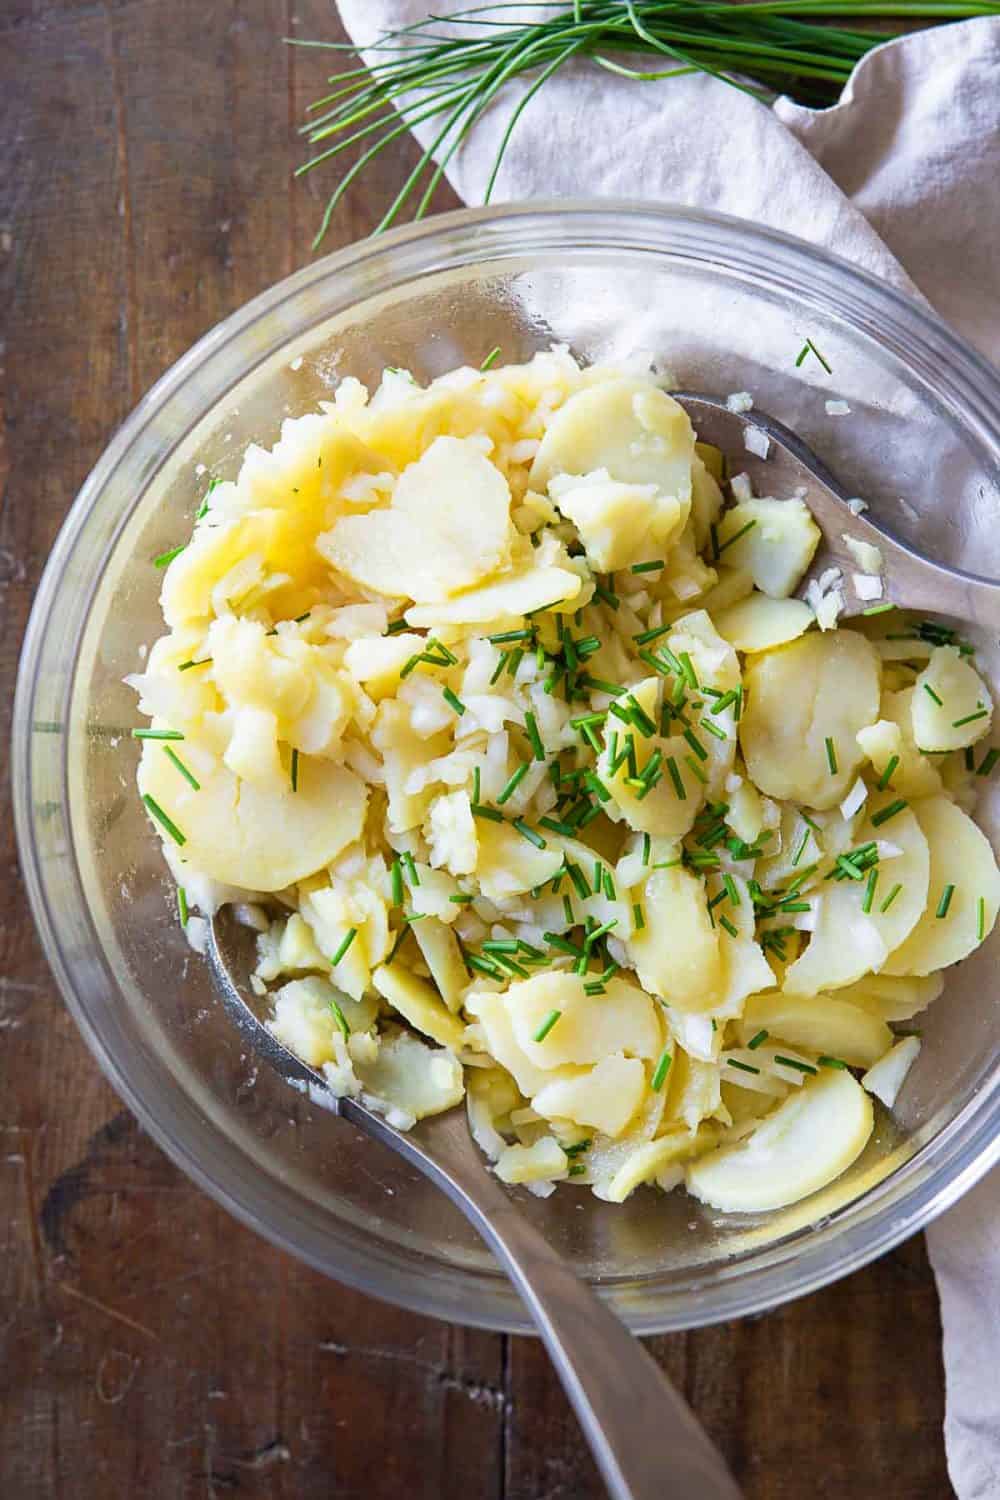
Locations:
{"points": [[150, 1345]]}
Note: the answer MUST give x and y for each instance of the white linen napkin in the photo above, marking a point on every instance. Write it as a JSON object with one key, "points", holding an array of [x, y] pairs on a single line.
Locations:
{"points": [[902, 178]]}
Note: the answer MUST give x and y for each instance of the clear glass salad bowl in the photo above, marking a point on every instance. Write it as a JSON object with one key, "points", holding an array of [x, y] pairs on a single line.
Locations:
{"points": [[727, 307]]}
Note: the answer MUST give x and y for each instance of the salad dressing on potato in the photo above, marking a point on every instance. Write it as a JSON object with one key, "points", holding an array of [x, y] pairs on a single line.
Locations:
{"points": [[544, 794]]}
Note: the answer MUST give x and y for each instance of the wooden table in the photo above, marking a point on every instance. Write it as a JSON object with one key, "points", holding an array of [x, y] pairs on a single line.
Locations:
{"points": [[151, 1346]]}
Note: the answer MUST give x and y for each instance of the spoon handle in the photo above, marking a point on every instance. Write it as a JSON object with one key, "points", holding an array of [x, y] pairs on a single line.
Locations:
{"points": [[645, 1440]]}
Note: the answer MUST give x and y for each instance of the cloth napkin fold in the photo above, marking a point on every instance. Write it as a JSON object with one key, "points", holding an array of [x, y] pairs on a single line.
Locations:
{"points": [[902, 178]]}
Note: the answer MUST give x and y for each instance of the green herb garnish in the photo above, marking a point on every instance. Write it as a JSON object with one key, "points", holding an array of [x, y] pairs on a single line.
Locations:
{"points": [[758, 1040], [661, 1070], [182, 905], [165, 558], [513, 783], [793, 1062], [188, 774], [885, 813], [157, 734], [341, 1020], [546, 1026], [884, 779], [945, 902], [352, 933], [810, 348], [491, 358], [891, 897], [932, 694], [162, 818], [831, 755]]}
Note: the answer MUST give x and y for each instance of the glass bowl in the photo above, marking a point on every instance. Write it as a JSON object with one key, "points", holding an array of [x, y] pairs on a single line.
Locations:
{"points": [[727, 306]]}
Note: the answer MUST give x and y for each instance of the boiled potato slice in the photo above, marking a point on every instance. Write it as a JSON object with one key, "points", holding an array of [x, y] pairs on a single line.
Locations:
{"points": [[545, 1161], [888, 1075], [244, 836], [760, 623], [845, 942], [589, 1028], [639, 434], [407, 1077], [604, 1097], [822, 687], [676, 955], [618, 523], [914, 774], [494, 1017], [422, 547], [659, 811], [892, 997], [508, 865], [830, 1027], [811, 1138], [304, 1021], [509, 597], [443, 957], [778, 547], [706, 496], [653, 1157], [951, 704], [417, 1003], [961, 857]]}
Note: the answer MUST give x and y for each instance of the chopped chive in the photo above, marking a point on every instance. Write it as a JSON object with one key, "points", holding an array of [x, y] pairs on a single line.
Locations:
{"points": [[157, 734], [341, 1020], [606, 596], [981, 713], [831, 756], [646, 636], [640, 718], [891, 897], [879, 609], [576, 1169], [183, 913], [453, 701], [831, 1062], [498, 671], [531, 728], [568, 910], [401, 938], [188, 775], [661, 1070], [647, 567], [866, 904], [490, 359], [687, 670], [696, 744], [516, 658], [638, 918], [480, 965], [729, 926], [579, 1147], [514, 782], [601, 685], [411, 868], [396, 876], [503, 636], [801, 849], [609, 885], [735, 537], [489, 814], [885, 813], [530, 834], [598, 881], [186, 666], [646, 846], [731, 891], [556, 825], [462, 898], [810, 348], [695, 769], [165, 822], [396, 628], [734, 1062], [476, 789], [989, 760], [710, 728], [884, 779], [167, 557], [546, 1026], [352, 933], [758, 1040], [932, 694], [980, 919], [945, 901], [675, 777], [793, 1062], [658, 666], [969, 758], [596, 933]]}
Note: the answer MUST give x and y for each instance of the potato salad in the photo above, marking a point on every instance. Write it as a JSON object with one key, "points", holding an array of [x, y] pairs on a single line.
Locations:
{"points": [[488, 704]]}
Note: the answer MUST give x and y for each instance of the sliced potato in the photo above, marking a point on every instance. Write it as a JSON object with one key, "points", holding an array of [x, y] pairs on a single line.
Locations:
{"points": [[820, 1023], [407, 1077], [257, 839], [659, 811], [775, 541], [639, 434], [821, 688], [890, 742], [676, 955], [651, 1158], [960, 858], [545, 1161], [508, 864], [760, 623], [951, 704], [811, 1138], [508, 597], [443, 956], [605, 1097], [893, 997], [421, 546], [417, 1003], [303, 1018], [618, 523], [887, 1076], [847, 943], [589, 1027]]}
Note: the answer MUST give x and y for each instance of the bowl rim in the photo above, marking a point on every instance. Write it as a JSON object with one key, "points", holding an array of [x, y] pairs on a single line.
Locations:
{"points": [[918, 1192]]}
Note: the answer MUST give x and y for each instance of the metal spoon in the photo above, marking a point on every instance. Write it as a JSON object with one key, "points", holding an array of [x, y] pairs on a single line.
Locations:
{"points": [[645, 1440], [909, 580]]}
